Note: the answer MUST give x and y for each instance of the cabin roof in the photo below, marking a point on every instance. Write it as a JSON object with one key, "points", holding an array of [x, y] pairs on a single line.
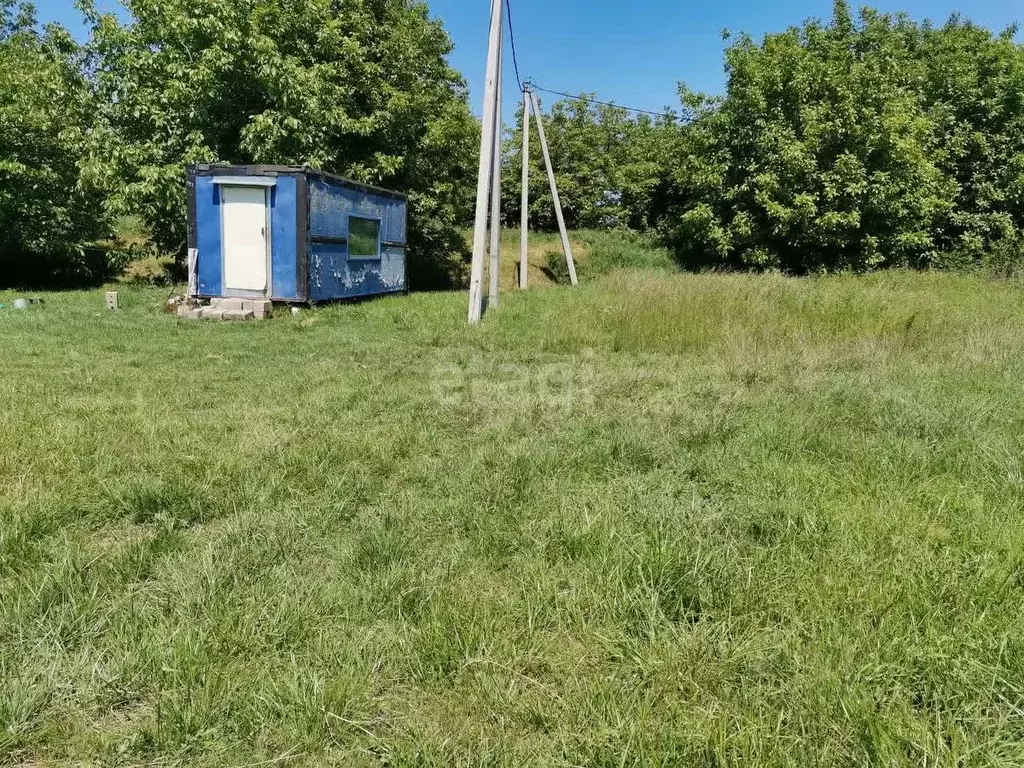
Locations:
{"points": [[273, 170]]}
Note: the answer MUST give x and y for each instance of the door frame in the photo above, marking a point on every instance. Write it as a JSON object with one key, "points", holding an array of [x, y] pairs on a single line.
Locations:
{"points": [[267, 183]]}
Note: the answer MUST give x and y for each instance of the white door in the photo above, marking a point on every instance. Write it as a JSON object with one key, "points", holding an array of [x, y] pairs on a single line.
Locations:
{"points": [[244, 212]]}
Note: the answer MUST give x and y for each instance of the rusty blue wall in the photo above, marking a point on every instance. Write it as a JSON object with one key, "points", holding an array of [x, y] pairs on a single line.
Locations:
{"points": [[332, 275], [210, 266], [284, 244]]}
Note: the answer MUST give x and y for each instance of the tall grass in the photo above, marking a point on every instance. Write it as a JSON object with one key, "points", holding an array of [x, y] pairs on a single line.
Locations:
{"points": [[596, 253], [658, 520]]}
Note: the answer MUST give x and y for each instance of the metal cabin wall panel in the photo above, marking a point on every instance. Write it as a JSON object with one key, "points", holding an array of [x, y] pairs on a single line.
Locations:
{"points": [[302, 236], [327, 271], [331, 204], [334, 276], [392, 268], [400, 224], [392, 220], [328, 210], [284, 253], [210, 265]]}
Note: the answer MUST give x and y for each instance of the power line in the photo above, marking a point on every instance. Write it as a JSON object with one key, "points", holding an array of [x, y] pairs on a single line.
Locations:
{"points": [[536, 87], [515, 63], [512, 37]]}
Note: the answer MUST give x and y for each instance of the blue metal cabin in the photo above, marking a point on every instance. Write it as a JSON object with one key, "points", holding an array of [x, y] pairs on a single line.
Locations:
{"points": [[292, 234]]}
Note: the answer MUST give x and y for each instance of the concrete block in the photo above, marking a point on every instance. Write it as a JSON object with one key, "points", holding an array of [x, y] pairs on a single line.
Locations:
{"points": [[237, 314], [260, 308], [214, 313], [230, 304]]}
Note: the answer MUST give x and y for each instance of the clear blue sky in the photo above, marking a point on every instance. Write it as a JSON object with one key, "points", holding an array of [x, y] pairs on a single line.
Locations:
{"points": [[635, 52]]}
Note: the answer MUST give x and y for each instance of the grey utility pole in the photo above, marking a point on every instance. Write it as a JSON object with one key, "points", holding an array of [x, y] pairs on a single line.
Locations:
{"points": [[491, 122], [494, 271], [554, 190], [524, 225]]}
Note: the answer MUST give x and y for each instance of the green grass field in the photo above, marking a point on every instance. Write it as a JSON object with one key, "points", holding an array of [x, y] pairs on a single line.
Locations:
{"points": [[662, 520]]}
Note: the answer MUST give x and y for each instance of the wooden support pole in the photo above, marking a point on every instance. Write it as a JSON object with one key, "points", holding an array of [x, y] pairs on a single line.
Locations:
{"points": [[495, 267], [484, 175], [554, 189], [524, 224]]}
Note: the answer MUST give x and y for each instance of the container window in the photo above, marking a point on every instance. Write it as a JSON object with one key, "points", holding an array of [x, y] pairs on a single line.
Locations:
{"points": [[363, 238]]}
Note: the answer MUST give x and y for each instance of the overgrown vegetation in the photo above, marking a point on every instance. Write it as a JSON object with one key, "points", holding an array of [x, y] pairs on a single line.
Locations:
{"points": [[853, 145], [862, 143], [597, 253], [659, 520], [48, 217], [354, 87], [858, 146], [611, 168]]}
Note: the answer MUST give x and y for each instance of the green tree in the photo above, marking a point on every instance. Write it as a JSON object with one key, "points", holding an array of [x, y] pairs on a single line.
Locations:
{"points": [[610, 166], [855, 145], [357, 87], [974, 88], [47, 216]]}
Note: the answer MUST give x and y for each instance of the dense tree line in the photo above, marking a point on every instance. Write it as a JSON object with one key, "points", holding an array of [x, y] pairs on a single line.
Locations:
{"points": [[855, 144], [864, 142], [357, 87], [47, 215]]}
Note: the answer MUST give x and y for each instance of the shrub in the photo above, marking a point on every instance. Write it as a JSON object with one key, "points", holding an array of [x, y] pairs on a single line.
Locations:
{"points": [[557, 268]]}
